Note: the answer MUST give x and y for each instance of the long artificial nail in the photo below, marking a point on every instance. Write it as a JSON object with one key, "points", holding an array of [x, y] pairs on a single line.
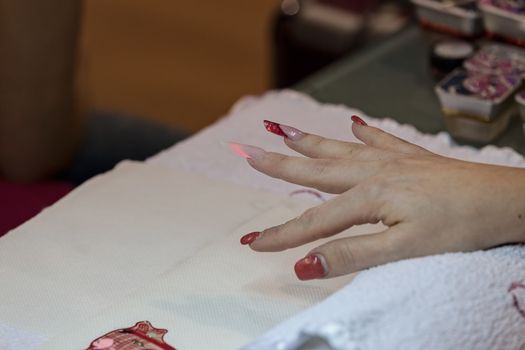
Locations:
{"points": [[247, 151], [283, 130], [311, 267], [250, 238], [358, 120]]}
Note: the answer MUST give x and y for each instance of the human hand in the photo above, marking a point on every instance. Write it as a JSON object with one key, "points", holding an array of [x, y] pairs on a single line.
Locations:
{"points": [[431, 204]]}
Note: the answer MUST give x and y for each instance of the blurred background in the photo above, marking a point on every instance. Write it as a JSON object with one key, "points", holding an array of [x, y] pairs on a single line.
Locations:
{"points": [[179, 62], [154, 72], [184, 63]]}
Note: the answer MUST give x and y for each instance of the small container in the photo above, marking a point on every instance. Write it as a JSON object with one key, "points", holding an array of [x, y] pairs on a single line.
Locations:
{"points": [[479, 96], [504, 18], [445, 56], [472, 129], [497, 59], [520, 99], [460, 18]]}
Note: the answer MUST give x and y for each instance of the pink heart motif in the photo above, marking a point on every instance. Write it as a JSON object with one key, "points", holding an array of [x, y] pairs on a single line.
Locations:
{"points": [[103, 344], [517, 290]]}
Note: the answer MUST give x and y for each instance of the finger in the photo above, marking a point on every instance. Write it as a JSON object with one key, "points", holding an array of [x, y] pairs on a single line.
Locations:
{"points": [[311, 145], [375, 137], [327, 175], [347, 255], [315, 146], [338, 214]]}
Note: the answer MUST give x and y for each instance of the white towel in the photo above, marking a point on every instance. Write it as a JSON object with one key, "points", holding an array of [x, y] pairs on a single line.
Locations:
{"points": [[451, 301]]}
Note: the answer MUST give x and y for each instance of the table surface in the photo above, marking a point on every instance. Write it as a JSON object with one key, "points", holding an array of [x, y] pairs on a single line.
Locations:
{"points": [[392, 79]]}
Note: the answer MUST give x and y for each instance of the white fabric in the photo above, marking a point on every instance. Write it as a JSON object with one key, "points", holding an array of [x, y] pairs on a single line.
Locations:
{"points": [[147, 243], [15, 339], [221, 298], [452, 301], [110, 237]]}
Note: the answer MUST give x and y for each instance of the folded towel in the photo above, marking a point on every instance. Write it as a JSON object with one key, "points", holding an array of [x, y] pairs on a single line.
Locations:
{"points": [[451, 301]]}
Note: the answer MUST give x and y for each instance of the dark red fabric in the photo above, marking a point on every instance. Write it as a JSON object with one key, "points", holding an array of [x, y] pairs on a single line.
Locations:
{"points": [[20, 202]]}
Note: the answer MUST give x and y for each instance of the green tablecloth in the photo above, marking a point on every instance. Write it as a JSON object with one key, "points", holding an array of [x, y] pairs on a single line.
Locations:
{"points": [[392, 79]]}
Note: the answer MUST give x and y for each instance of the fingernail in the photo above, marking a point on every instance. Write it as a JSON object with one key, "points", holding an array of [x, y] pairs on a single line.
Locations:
{"points": [[358, 120], [283, 130], [250, 238], [311, 267], [247, 151]]}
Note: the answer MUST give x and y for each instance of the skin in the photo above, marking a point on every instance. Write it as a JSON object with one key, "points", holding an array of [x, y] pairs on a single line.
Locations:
{"points": [[430, 204], [39, 109]]}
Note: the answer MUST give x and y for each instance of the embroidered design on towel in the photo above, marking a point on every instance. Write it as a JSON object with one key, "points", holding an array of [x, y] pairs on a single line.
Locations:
{"points": [[142, 336], [316, 194], [514, 290]]}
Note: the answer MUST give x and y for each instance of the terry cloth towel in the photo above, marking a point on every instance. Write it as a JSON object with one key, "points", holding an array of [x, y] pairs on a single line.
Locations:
{"points": [[450, 301]]}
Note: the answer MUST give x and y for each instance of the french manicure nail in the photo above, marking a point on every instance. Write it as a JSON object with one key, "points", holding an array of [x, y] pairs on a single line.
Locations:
{"points": [[358, 120], [283, 130], [247, 151], [250, 238], [311, 267]]}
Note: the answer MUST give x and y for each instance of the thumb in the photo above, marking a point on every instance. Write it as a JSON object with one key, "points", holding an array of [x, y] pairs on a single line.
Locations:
{"points": [[347, 255]]}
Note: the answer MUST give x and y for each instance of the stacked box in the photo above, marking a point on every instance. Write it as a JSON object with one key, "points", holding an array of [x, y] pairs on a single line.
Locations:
{"points": [[477, 100], [460, 18]]}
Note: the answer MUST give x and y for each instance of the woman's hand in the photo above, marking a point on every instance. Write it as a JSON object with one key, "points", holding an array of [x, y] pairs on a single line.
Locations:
{"points": [[431, 204]]}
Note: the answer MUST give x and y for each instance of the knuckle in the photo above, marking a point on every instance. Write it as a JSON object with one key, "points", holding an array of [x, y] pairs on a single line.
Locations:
{"points": [[354, 151], [377, 136], [316, 142], [277, 235], [279, 165], [374, 187], [346, 258], [320, 168], [382, 137], [391, 166], [307, 218]]}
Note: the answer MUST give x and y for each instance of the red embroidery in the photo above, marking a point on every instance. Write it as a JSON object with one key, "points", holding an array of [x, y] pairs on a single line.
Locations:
{"points": [[142, 336], [307, 191], [515, 301]]}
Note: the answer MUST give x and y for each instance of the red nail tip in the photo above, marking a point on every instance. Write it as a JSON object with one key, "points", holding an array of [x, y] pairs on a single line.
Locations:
{"points": [[274, 128], [250, 238], [358, 120], [309, 268]]}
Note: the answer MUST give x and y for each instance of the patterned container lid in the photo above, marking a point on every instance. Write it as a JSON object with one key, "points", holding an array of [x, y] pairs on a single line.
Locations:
{"points": [[491, 87], [497, 59]]}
